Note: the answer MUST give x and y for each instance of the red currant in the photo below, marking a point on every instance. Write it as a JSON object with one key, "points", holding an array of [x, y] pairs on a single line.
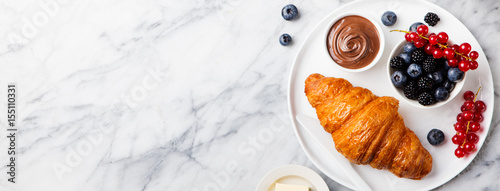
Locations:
{"points": [[461, 134], [420, 43], [407, 37], [473, 138], [468, 147], [473, 65], [414, 36], [467, 115], [453, 62], [468, 105], [463, 65], [478, 117], [459, 153], [442, 37], [474, 126], [433, 39], [464, 48], [437, 53], [448, 53], [429, 48], [462, 108], [460, 58], [473, 55], [455, 47], [469, 95], [460, 126], [457, 139], [460, 118], [480, 106], [422, 30]]}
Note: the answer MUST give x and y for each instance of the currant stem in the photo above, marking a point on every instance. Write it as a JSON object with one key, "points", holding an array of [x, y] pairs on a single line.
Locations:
{"points": [[477, 93]]}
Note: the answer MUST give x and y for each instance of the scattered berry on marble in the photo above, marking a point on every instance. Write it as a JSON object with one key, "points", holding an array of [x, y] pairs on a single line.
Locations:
{"points": [[289, 12], [285, 39]]}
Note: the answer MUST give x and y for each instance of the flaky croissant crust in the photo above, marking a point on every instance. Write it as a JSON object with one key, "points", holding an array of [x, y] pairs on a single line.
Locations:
{"points": [[367, 129]]}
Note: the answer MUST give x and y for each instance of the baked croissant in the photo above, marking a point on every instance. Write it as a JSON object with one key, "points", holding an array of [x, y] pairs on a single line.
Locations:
{"points": [[367, 129]]}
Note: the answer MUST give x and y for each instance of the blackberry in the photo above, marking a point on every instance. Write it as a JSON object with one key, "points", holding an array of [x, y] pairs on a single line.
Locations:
{"points": [[411, 90], [397, 63], [425, 84], [431, 19], [426, 98], [418, 56], [430, 64]]}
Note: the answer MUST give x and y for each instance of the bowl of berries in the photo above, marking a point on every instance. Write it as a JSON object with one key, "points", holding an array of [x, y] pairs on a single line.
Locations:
{"points": [[428, 70]]}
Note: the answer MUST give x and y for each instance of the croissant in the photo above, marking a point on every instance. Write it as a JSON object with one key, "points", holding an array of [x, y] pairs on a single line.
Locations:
{"points": [[367, 129]]}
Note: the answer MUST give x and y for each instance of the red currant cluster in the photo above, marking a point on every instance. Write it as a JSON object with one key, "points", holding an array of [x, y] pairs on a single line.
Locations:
{"points": [[468, 123], [437, 45]]}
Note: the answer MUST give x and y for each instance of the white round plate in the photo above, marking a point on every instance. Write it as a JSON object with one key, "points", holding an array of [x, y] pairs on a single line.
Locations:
{"points": [[312, 59], [292, 174]]}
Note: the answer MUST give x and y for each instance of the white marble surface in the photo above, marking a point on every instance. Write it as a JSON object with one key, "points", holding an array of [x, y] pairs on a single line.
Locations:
{"points": [[173, 95]]}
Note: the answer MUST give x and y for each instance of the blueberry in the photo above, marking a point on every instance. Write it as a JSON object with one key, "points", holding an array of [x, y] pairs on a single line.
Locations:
{"points": [[389, 18], [455, 74], [436, 76], [449, 85], [435, 137], [414, 71], [406, 57], [444, 69], [441, 94], [414, 26], [289, 12], [285, 39], [409, 47], [398, 78]]}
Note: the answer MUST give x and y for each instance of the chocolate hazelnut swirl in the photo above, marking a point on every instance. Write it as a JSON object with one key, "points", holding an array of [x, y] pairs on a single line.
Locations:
{"points": [[353, 42]]}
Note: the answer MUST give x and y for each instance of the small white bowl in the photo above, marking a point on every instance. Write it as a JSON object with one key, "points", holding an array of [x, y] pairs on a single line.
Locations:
{"points": [[381, 42], [398, 49]]}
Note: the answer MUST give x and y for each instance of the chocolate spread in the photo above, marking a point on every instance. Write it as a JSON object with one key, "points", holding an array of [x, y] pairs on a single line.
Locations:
{"points": [[353, 42]]}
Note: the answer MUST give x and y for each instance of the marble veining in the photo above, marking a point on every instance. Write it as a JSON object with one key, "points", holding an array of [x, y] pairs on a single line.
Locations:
{"points": [[173, 95]]}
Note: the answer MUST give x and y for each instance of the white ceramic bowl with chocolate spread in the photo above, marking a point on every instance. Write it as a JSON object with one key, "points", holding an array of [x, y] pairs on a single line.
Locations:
{"points": [[354, 42]]}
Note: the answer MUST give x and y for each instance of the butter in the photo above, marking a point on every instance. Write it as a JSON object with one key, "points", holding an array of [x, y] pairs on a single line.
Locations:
{"points": [[289, 187]]}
